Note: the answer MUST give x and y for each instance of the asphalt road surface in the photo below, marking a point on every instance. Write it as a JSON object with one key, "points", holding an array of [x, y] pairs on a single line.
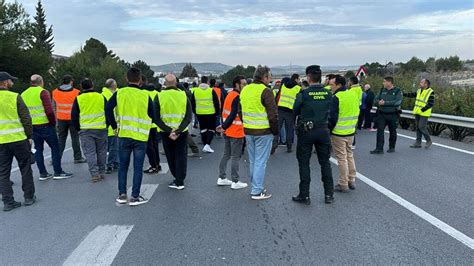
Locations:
{"points": [[411, 207]]}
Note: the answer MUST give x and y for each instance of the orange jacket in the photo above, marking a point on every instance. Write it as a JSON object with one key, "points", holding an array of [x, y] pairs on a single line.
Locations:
{"points": [[64, 101], [236, 130], [219, 94]]}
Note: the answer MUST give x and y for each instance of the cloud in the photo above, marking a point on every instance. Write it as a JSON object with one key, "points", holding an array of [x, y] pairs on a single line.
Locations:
{"points": [[267, 32]]}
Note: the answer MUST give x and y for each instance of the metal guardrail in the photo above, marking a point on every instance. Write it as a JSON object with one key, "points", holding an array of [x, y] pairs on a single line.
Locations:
{"points": [[452, 120]]}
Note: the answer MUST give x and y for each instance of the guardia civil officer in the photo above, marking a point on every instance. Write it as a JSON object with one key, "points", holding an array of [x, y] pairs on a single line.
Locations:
{"points": [[312, 108]]}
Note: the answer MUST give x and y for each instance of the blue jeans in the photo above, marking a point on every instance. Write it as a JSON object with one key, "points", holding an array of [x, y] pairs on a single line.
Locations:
{"points": [[258, 148], [46, 134], [112, 149], [128, 146]]}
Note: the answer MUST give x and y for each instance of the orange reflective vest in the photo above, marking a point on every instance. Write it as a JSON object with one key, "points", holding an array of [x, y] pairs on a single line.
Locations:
{"points": [[236, 130], [219, 94], [64, 101]]}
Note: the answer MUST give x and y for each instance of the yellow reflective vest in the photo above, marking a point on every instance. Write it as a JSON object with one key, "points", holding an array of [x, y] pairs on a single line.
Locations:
{"points": [[32, 99], [204, 101], [348, 113], [288, 96], [422, 97], [11, 128], [254, 114], [132, 106], [91, 110], [173, 108], [108, 94]]}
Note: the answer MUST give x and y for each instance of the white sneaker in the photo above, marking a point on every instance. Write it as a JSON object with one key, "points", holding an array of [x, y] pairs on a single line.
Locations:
{"points": [[238, 185], [223, 182], [207, 149], [262, 196], [353, 147]]}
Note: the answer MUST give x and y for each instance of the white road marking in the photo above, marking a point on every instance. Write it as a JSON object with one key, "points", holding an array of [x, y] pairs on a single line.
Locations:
{"points": [[100, 246], [146, 191], [464, 239], [438, 144], [46, 157]]}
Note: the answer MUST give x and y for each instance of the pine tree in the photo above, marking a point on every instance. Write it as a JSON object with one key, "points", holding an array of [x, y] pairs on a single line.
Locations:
{"points": [[42, 35], [188, 71]]}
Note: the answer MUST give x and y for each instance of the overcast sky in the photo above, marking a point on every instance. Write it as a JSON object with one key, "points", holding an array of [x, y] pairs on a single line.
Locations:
{"points": [[337, 32]]}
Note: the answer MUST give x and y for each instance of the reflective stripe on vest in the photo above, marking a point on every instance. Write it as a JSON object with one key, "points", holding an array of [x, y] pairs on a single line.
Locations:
{"points": [[236, 130], [358, 92], [91, 108], [204, 102], [348, 113], [132, 107], [254, 114], [64, 101], [32, 99], [422, 97], [173, 108], [11, 128], [288, 96], [108, 94]]}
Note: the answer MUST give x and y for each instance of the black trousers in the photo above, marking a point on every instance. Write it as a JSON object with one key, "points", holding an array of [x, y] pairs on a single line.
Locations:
{"points": [[63, 128], [177, 155], [207, 124], [289, 119], [152, 150], [21, 150], [368, 117], [320, 139], [383, 120]]}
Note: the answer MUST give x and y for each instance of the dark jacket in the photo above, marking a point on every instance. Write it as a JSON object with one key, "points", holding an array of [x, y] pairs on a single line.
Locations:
{"points": [[369, 100], [268, 101], [186, 120], [76, 112], [112, 103], [313, 104], [393, 99]]}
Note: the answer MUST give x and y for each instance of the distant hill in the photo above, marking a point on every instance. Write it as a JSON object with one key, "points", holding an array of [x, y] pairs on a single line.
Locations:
{"points": [[202, 68], [219, 68]]}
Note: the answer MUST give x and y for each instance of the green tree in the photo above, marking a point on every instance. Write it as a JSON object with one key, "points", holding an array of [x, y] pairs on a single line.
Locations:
{"points": [[188, 72], [42, 35], [349, 74], [146, 70], [247, 72], [414, 65]]}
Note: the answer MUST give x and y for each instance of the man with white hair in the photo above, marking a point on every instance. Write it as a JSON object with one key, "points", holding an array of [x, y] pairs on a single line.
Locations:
{"points": [[44, 121], [112, 139], [173, 112]]}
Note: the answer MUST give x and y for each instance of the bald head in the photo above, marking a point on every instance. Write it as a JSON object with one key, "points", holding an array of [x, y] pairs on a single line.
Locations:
{"points": [[37, 80], [170, 80], [367, 87], [111, 84]]}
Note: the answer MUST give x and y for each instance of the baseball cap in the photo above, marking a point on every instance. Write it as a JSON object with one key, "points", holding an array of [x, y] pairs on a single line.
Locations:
{"points": [[6, 76]]}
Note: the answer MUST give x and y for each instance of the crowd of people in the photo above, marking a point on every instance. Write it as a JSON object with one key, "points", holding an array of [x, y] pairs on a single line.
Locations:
{"points": [[111, 125]]}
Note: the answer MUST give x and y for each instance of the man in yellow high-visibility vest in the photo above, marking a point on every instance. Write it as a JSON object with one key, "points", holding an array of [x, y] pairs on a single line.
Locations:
{"points": [[206, 106], [41, 110], [16, 131], [342, 121], [260, 117], [425, 97], [112, 139], [88, 116], [135, 111], [173, 114], [285, 101]]}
